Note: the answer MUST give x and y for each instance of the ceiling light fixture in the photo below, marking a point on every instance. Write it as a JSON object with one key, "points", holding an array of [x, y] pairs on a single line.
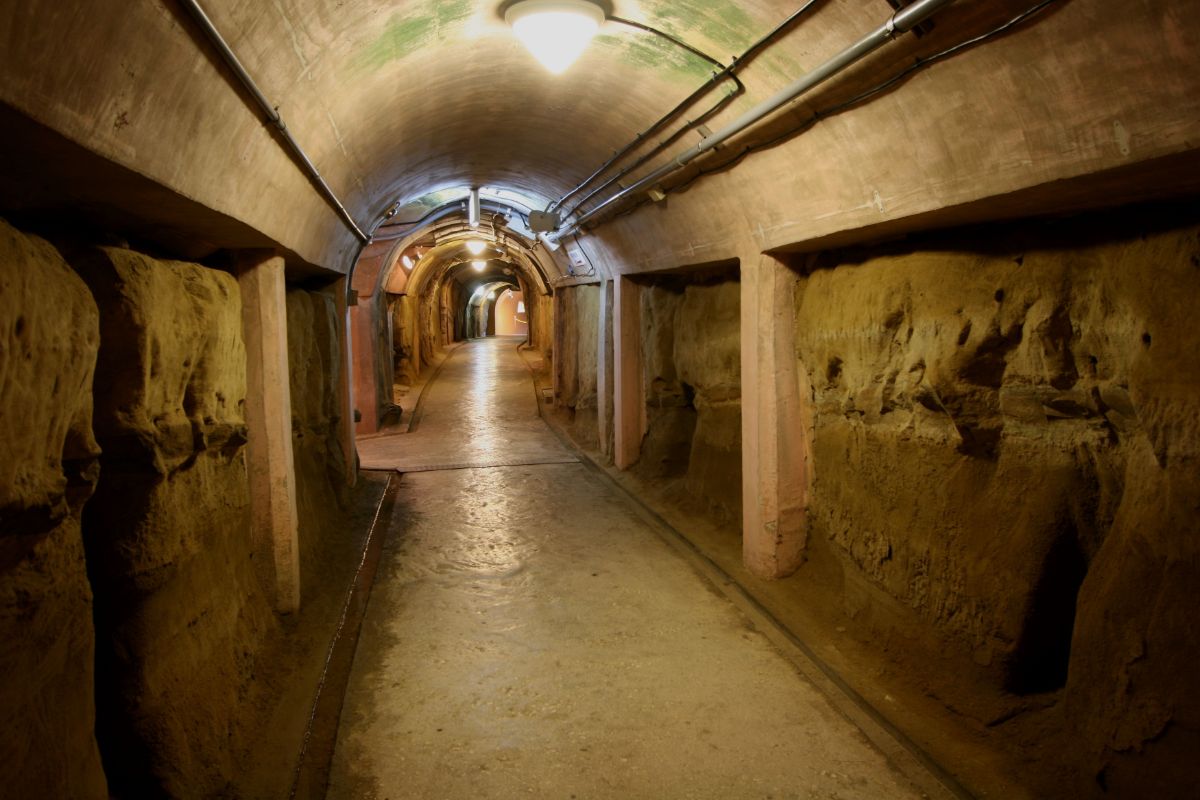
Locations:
{"points": [[479, 266], [555, 31], [408, 262], [476, 247]]}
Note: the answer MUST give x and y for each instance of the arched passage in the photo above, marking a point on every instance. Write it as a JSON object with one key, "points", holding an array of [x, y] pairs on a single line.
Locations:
{"points": [[976, 446], [429, 288]]}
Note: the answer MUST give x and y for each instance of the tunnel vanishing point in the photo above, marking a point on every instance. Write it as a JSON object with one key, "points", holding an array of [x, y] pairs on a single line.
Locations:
{"points": [[881, 313]]}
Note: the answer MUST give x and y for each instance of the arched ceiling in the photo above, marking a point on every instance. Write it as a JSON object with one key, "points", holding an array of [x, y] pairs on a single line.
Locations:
{"points": [[413, 101], [393, 101], [443, 255], [434, 95]]}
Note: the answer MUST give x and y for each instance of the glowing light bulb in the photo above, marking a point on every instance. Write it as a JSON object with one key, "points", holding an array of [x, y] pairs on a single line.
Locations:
{"points": [[476, 247], [556, 32], [408, 262], [479, 266], [520, 307]]}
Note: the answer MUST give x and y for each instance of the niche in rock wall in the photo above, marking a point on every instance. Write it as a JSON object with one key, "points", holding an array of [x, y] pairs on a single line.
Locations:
{"points": [[691, 361], [1005, 444], [180, 613]]}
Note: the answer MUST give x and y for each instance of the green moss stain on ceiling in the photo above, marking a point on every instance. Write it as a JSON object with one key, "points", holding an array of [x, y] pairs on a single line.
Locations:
{"points": [[650, 52], [720, 21], [405, 34]]}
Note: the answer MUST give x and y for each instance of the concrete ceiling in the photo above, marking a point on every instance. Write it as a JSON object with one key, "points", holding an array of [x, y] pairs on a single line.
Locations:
{"points": [[417, 97], [403, 100], [392, 100]]}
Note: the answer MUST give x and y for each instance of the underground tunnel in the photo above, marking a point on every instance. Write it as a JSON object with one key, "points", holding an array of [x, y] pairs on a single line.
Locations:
{"points": [[599, 398]]}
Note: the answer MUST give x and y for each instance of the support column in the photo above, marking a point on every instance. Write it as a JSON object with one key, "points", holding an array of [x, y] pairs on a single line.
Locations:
{"points": [[269, 423], [776, 423], [366, 381], [346, 383], [558, 350], [629, 405], [604, 369]]}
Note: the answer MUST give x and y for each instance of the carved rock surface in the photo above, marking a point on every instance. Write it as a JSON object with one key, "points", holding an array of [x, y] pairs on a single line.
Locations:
{"points": [[691, 360], [1006, 441], [181, 617], [578, 311], [48, 341], [314, 363]]}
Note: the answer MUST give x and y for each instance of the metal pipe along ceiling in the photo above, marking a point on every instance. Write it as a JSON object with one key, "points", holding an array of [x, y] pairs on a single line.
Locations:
{"points": [[731, 71], [901, 22], [272, 114]]}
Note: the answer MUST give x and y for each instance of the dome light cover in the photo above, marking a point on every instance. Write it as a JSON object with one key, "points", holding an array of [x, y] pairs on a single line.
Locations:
{"points": [[556, 32], [476, 247]]}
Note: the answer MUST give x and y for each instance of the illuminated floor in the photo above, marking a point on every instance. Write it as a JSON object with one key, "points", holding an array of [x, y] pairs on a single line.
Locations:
{"points": [[530, 636]]}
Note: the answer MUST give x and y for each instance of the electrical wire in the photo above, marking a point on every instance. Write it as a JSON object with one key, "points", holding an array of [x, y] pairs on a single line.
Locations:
{"points": [[738, 90], [878, 88]]}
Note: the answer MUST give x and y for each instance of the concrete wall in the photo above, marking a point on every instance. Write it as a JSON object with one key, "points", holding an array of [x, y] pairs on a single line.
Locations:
{"points": [[508, 321], [1005, 450], [49, 335]]}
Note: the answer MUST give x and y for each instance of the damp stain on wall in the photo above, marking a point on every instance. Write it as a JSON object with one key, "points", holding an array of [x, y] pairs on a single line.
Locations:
{"points": [[722, 23], [647, 51], [405, 34]]}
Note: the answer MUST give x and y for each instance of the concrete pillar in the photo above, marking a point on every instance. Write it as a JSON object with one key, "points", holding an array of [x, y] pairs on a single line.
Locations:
{"points": [[559, 347], [776, 423], [366, 377], [604, 369], [269, 423], [346, 383], [629, 404]]}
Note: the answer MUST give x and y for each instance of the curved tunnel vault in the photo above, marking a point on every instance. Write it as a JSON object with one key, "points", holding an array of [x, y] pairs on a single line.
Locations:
{"points": [[915, 346], [428, 288]]}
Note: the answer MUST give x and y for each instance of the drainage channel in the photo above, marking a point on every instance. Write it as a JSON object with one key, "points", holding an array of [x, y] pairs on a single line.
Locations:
{"points": [[310, 780]]}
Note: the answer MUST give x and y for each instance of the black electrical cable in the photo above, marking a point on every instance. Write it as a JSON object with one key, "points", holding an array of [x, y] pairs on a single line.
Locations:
{"points": [[723, 73], [738, 90], [817, 116]]}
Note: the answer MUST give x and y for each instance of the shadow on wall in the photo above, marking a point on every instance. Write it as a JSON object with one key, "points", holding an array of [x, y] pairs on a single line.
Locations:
{"points": [[49, 336]]}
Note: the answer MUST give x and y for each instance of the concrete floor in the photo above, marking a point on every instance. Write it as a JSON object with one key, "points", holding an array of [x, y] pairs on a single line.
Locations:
{"points": [[529, 635]]}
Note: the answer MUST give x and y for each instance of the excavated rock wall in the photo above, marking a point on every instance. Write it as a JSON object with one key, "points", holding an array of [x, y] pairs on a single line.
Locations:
{"points": [[691, 361], [1007, 443], [314, 362], [578, 319], [180, 615], [539, 309], [126, 375], [404, 337], [49, 335]]}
